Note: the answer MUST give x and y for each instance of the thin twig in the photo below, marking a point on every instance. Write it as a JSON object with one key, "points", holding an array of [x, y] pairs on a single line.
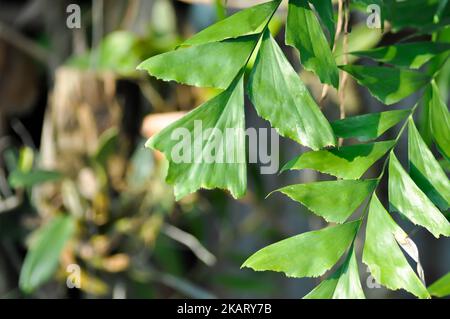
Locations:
{"points": [[26, 45], [97, 30], [191, 242], [344, 77]]}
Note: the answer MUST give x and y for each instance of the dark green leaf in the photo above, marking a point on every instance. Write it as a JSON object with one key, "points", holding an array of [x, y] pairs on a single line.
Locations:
{"points": [[440, 10], [425, 169], [412, 55], [369, 126], [342, 197], [343, 284], [389, 85], [19, 179], [411, 13], [383, 255], [306, 255], [207, 65], [441, 287], [304, 32], [281, 98], [408, 199], [202, 161], [325, 10], [43, 257], [348, 162], [439, 121], [246, 22]]}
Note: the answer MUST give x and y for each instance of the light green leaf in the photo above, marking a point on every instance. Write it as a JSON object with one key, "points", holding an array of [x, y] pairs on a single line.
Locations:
{"points": [[349, 285], [309, 254], [441, 287], [425, 169], [348, 162], [43, 256], [281, 98], [206, 148], [303, 31], [207, 65], [369, 126], [412, 55], [361, 38], [389, 85], [439, 121], [342, 197], [409, 200], [20, 179], [343, 284], [246, 22], [325, 10], [119, 51], [326, 289], [383, 255]]}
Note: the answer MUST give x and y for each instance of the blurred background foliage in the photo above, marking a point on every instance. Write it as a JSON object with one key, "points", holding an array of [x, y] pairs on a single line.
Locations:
{"points": [[78, 187]]}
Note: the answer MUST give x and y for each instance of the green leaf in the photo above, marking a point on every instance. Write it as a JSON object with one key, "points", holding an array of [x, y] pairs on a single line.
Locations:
{"points": [[440, 10], [383, 255], [325, 10], [389, 85], [207, 65], [342, 197], [43, 256], [369, 126], [348, 162], [246, 22], [309, 254], [343, 284], [206, 148], [412, 55], [439, 121], [425, 169], [20, 179], [411, 13], [408, 199], [119, 51], [304, 32], [441, 287], [280, 97]]}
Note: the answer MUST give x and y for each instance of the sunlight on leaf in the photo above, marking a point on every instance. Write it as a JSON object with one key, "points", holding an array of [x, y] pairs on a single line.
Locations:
{"points": [[207, 65], [348, 162], [342, 197], [383, 255], [192, 170], [303, 31], [281, 97]]}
